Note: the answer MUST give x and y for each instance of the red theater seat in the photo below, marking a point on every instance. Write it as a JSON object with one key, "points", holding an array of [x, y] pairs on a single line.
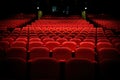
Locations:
{"points": [[70, 44], [35, 39], [10, 40], [86, 53], [52, 44], [103, 45], [61, 40], [80, 69], [87, 44], [38, 52], [117, 46], [19, 44], [22, 39], [47, 39], [35, 44], [14, 69], [44, 69], [17, 52], [108, 53], [4, 45], [77, 40], [89, 40], [115, 40], [109, 69], [103, 40], [62, 53]]}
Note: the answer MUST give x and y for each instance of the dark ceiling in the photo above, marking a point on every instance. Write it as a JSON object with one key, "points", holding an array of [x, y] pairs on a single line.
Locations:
{"points": [[94, 6]]}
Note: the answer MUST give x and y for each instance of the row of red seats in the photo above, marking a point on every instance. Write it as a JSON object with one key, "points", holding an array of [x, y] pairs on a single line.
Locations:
{"points": [[47, 69], [75, 42], [52, 69], [107, 22], [12, 23], [69, 59], [64, 52]]}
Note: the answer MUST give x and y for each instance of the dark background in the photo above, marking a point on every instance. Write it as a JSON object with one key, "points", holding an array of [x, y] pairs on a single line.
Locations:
{"points": [[11, 7]]}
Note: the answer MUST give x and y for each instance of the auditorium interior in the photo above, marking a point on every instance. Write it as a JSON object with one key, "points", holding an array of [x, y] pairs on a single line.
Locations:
{"points": [[59, 40]]}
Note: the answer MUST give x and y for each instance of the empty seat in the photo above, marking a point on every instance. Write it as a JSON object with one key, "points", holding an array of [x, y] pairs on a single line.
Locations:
{"points": [[80, 69], [109, 69], [62, 53], [117, 46], [19, 44], [80, 37], [34, 39], [21, 39], [86, 53], [14, 69], [44, 69], [52, 44], [115, 40], [87, 44], [10, 40], [38, 52], [108, 53], [17, 52], [103, 45], [47, 39], [89, 40], [70, 44], [61, 40], [32, 35], [35, 44], [4, 45], [77, 40], [103, 40]]}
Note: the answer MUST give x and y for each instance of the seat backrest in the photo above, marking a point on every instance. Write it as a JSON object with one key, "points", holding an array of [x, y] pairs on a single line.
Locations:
{"points": [[47, 39], [10, 40], [35, 44], [70, 44], [61, 40], [115, 40], [80, 69], [89, 40], [103, 40], [62, 53], [15, 69], [52, 44], [109, 69], [86, 53], [44, 69], [38, 52], [16, 52], [34, 39], [19, 44], [117, 46], [108, 53], [4, 44], [22, 39], [77, 40], [87, 44], [103, 45]]}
